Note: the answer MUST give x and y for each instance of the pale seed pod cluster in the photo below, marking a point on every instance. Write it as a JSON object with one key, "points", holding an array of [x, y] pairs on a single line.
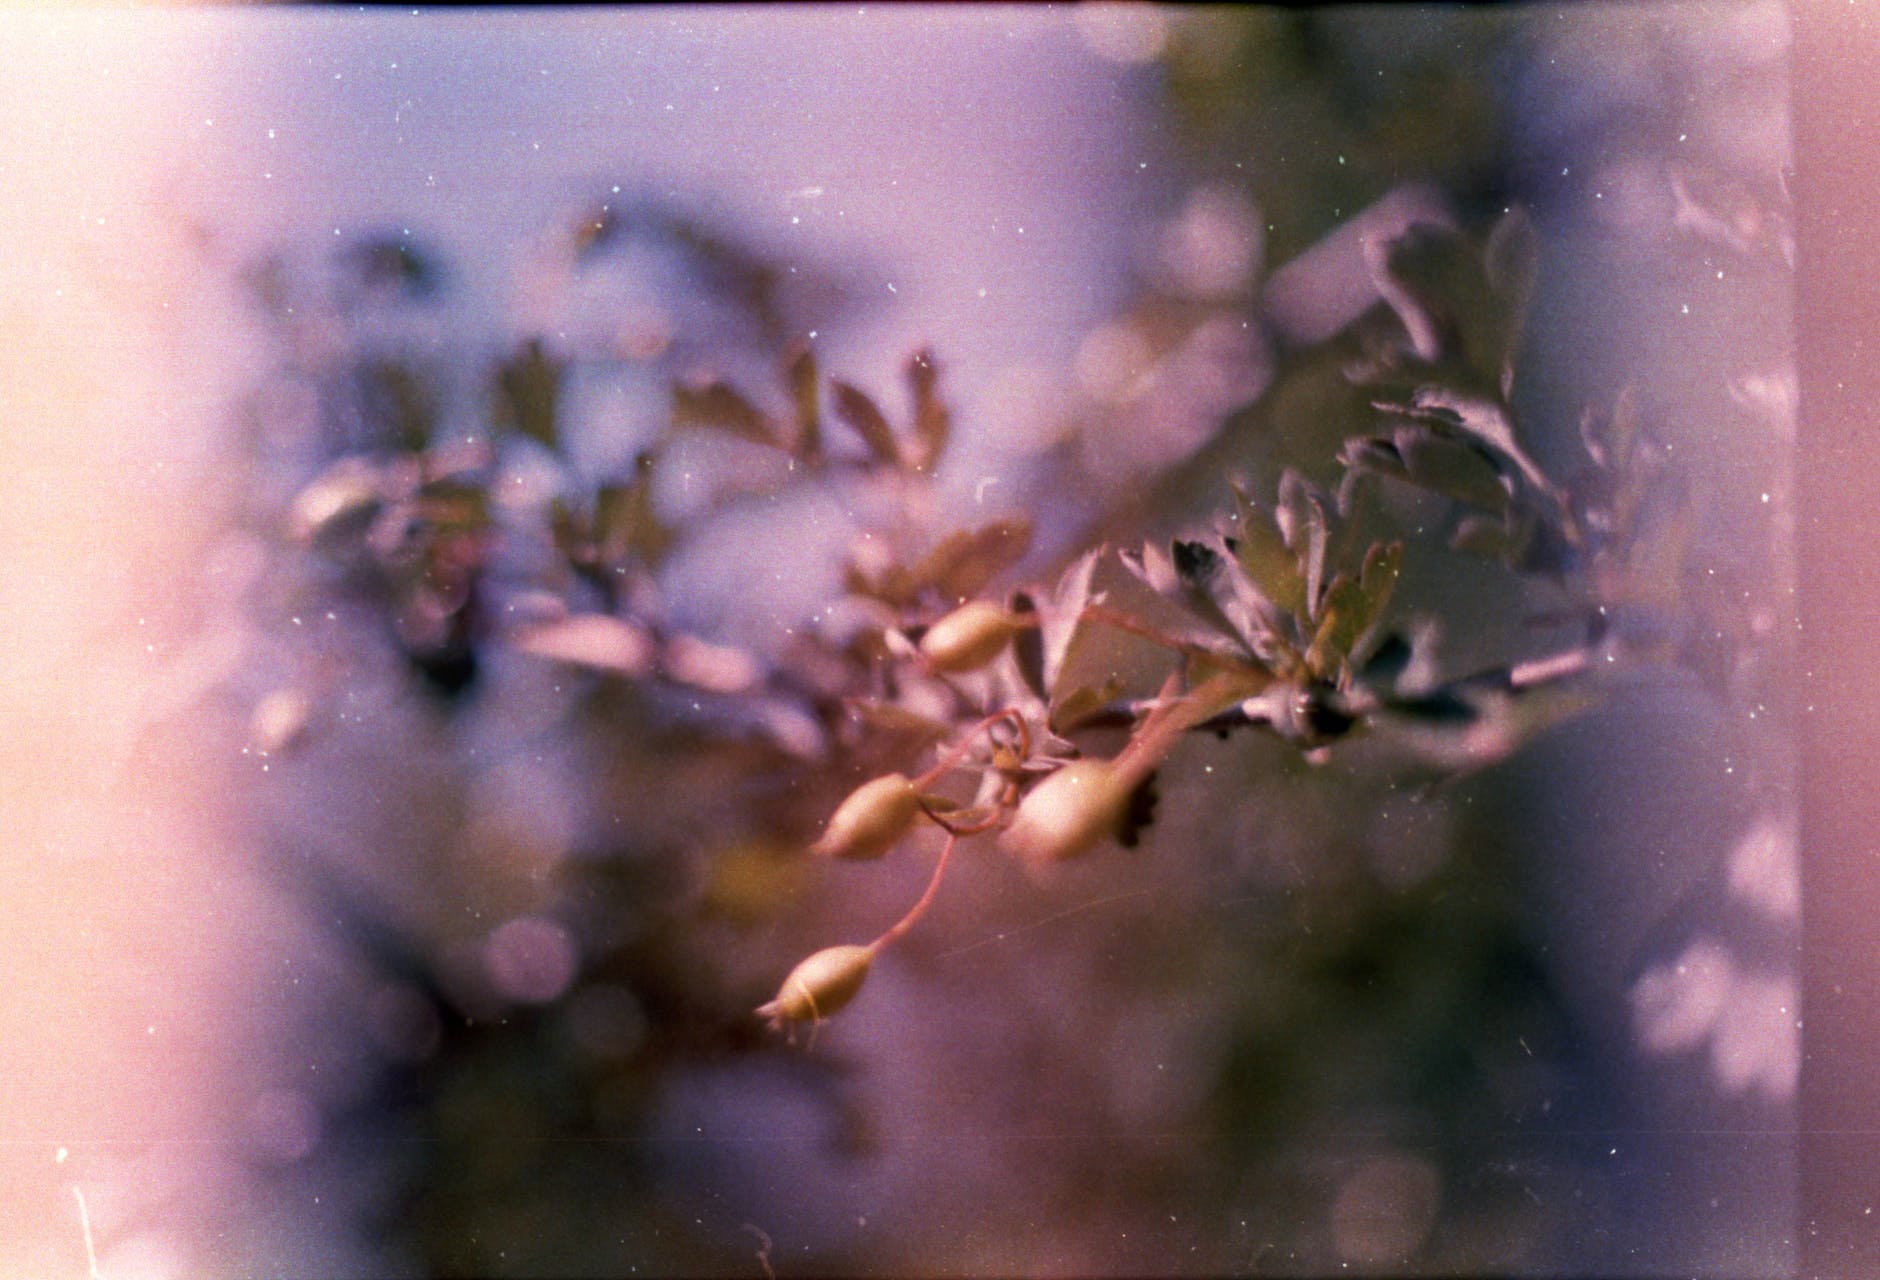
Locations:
{"points": [[1067, 814]]}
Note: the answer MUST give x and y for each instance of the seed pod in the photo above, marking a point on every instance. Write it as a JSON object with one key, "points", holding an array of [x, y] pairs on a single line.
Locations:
{"points": [[969, 637], [871, 821], [819, 986], [1069, 812]]}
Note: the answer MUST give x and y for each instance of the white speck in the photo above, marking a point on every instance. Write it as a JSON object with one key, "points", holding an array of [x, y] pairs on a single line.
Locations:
{"points": [[891, 288]]}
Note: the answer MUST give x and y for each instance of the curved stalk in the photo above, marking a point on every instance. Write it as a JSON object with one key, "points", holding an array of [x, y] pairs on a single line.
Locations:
{"points": [[896, 931]]}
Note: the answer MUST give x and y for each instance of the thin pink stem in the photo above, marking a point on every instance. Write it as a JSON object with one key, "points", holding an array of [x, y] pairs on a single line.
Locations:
{"points": [[895, 932]]}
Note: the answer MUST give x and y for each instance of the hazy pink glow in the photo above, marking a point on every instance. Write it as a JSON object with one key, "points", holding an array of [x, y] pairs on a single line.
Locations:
{"points": [[138, 939], [118, 930]]}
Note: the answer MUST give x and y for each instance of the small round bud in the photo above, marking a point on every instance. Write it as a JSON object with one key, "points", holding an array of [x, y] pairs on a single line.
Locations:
{"points": [[819, 986], [1069, 812], [871, 821], [344, 496], [279, 720], [969, 637]]}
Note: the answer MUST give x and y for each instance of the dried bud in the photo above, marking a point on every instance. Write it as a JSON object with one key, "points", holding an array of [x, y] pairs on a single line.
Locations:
{"points": [[969, 637], [819, 986], [1070, 811], [872, 820]]}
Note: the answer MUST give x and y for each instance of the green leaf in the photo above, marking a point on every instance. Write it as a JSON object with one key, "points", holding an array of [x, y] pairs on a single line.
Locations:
{"points": [[932, 419], [1454, 468], [1512, 261], [625, 522], [1080, 703], [959, 567], [861, 415], [805, 393], [1339, 616], [1438, 283], [964, 562], [1312, 557], [1062, 625], [1300, 515], [1377, 455], [1265, 558], [1479, 418], [454, 505], [1383, 565], [717, 406], [568, 531], [528, 393], [401, 401], [1352, 606], [1199, 571]]}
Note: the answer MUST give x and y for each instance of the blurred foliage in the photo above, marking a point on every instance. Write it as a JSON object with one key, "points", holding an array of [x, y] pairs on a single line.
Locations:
{"points": [[548, 983]]}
